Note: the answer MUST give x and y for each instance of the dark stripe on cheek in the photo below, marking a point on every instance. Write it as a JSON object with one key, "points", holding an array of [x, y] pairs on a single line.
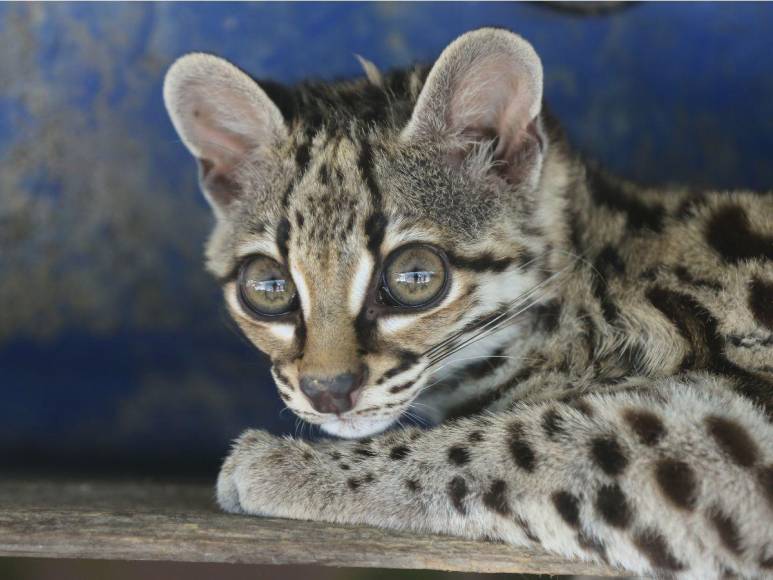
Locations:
{"points": [[400, 388], [481, 263], [407, 360], [483, 320], [300, 335], [365, 330]]}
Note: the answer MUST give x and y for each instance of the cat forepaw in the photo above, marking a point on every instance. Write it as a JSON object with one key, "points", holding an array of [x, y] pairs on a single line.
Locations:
{"points": [[226, 493], [246, 478]]}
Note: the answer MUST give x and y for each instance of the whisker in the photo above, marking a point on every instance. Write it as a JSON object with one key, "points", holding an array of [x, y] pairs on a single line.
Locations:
{"points": [[499, 321], [484, 335], [462, 331], [513, 303], [486, 356]]}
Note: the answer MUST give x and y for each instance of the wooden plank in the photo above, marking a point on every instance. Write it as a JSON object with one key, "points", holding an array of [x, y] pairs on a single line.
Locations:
{"points": [[180, 522]]}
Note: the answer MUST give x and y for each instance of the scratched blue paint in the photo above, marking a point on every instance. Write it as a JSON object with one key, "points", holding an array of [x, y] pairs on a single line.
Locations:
{"points": [[98, 197]]}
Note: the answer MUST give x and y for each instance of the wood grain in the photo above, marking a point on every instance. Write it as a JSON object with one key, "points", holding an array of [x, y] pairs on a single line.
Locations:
{"points": [[147, 520]]}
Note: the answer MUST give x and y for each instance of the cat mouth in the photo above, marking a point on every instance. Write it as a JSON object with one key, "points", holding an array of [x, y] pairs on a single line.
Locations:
{"points": [[356, 427]]}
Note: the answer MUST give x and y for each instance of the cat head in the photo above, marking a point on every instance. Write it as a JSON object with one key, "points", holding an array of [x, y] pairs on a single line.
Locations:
{"points": [[369, 232]]}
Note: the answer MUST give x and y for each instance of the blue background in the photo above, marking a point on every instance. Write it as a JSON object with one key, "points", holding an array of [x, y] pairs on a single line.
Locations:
{"points": [[115, 352]]}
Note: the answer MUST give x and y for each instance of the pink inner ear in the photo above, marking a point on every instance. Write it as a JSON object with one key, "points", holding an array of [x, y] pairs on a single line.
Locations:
{"points": [[221, 148], [494, 97], [213, 132]]}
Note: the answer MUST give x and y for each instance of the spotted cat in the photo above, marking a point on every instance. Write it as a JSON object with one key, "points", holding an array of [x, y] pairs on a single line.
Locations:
{"points": [[595, 357]]}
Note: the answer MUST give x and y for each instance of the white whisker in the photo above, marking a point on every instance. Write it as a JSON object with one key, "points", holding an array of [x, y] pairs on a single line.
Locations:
{"points": [[487, 330]]}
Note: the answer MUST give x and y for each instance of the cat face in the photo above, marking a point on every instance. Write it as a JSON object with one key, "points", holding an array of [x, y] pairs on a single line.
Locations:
{"points": [[372, 235]]}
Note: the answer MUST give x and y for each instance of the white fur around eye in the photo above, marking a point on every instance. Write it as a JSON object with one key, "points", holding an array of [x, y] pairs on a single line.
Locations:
{"points": [[397, 235], [282, 331], [360, 282], [265, 247], [303, 290], [392, 324], [285, 332]]}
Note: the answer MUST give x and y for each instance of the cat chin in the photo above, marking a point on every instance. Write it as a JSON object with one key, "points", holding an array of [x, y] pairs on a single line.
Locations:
{"points": [[355, 428]]}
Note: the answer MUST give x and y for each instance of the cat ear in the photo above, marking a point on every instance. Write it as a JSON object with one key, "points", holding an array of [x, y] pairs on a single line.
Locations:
{"points": [[222, 116], [485, 87]]}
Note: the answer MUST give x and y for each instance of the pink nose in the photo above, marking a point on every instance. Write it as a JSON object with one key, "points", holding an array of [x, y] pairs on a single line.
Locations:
{"points": [[335, 395]]}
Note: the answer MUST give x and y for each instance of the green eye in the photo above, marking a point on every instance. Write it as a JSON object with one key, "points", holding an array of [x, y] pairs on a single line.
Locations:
{"points": [[266, 287], [414, 276]]}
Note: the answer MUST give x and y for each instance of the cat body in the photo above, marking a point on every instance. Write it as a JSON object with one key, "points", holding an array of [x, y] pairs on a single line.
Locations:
{"points": [[596, 357]]}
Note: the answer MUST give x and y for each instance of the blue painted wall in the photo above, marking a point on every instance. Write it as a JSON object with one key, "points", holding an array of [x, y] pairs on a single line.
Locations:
{"points": [[115, 352]]}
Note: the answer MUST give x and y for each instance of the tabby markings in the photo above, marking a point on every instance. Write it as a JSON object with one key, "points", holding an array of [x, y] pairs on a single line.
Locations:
{"points": [[677, 483], [727, 530], [733, 440], [761, 301], [647, 426], [568, 507], [613, 507], [607, 454], [303, 290], [495, 498], [360, 283], [457, 491], [521, 451], [654, 547], [730, 233]]}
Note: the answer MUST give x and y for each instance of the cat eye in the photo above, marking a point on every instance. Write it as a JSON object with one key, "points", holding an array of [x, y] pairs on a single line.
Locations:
{"points": [[414, 276], [266, 287]]}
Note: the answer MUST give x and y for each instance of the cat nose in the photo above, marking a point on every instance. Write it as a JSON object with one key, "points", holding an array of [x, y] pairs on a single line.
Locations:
{"points": [[336, 395]]}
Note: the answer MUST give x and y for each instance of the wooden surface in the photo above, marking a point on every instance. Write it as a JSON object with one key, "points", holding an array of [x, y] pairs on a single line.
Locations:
{"points": [[179, 522]]}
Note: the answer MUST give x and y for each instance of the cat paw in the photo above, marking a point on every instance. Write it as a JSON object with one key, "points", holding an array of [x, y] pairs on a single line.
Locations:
{"points": [[226, 493], [246, 478]]}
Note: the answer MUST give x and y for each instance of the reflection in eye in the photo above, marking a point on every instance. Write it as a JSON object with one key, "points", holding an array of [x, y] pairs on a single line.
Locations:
{"points": [[424, 277], [268, 285], [414, 276]]}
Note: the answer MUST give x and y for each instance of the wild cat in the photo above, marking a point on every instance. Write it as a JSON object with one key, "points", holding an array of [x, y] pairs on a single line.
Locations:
{"points": [[596, 358]]}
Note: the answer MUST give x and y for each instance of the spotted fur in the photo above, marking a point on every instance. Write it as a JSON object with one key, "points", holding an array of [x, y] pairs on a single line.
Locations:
{"points": [[599, 373]]}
